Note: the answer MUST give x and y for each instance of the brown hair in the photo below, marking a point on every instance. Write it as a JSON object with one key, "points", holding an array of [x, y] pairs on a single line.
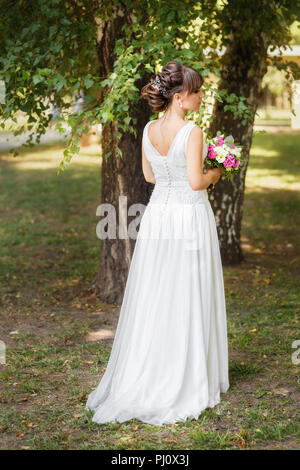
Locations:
{"points": [[174, 78]]}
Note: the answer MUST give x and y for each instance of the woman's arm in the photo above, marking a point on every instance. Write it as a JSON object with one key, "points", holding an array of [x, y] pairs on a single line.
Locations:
{"points": [[197, 179], [147, 169]]}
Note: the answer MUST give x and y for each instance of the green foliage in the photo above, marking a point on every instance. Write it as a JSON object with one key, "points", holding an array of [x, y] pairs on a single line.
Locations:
{"points": [[52, 365], [48, 56], [45, 60], [295, 32]]}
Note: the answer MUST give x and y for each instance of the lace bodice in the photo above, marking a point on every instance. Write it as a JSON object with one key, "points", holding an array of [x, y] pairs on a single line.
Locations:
{"points": [[170, 170]]}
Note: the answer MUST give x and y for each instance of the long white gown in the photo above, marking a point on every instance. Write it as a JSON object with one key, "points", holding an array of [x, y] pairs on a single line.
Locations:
{"points": [[169, 359]]}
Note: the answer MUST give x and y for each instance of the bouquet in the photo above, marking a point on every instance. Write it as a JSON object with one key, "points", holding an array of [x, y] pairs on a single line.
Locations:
{"points": [[224, 153]]}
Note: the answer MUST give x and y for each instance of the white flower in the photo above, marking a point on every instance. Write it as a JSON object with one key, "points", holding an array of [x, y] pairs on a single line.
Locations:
{"points": [[219, 150], [236, 152], [221, 153], [220, 158], [227, 150]]}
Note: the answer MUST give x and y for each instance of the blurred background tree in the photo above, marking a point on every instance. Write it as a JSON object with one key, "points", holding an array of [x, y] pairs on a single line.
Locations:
{"points": [[106, 51]]}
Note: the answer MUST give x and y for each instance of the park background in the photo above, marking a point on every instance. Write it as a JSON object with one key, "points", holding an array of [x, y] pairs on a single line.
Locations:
{"points": [[58, 333]]}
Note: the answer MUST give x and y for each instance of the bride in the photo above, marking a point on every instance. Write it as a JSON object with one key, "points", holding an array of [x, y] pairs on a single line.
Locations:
{"points": [[169, 359]]}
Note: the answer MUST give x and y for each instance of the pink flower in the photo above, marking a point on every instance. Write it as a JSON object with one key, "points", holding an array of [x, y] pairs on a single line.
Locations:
{"points": [[220, 140], [236, 163], [229, 161], [233, 146], [212, 154]]}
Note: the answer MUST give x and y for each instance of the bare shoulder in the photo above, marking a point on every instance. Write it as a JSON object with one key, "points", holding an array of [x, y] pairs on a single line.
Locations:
{"points": [[197, 132], [195, 137]]}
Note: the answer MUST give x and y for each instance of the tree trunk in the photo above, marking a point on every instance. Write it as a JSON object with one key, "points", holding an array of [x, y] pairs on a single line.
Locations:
{"points": [[121, 177], [242, 73]]}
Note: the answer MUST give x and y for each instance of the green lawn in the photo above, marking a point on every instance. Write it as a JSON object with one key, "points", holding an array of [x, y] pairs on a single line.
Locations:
{"points": [[273, 116], [50, 317]]}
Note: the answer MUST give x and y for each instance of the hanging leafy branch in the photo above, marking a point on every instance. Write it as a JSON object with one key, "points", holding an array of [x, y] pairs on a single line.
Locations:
{"points": [[171, 34], [48, 56]]}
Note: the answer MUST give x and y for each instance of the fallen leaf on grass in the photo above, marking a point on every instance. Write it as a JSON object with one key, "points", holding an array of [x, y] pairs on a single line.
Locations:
{"points": [[125, 439], [16, 332], [260, 394], [27, 423], [281, 391], [241, 442]]}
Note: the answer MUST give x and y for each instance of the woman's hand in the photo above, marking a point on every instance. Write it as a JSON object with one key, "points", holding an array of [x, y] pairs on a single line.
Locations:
{"points": [[215, 174]]}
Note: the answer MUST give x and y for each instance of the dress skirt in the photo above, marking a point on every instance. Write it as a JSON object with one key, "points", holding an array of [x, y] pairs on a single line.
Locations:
{"points": [[169, 359]]}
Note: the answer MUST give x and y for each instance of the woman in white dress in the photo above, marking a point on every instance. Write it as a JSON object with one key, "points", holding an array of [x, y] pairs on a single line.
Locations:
{"points": [[169, 359]]}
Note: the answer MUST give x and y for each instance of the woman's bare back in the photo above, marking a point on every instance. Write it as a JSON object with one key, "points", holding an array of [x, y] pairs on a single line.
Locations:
{"points": [[162, 132]]}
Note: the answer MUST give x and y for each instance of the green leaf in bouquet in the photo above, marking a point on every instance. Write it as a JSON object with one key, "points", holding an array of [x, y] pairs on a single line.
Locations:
{"points": [[229, 140]]}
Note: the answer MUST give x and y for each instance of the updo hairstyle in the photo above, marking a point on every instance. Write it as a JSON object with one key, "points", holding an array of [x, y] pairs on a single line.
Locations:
{"points": [[174, 78]]}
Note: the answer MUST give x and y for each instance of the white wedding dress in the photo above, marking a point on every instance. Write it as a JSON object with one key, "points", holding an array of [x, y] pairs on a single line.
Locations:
{"points": [[169, 359]]}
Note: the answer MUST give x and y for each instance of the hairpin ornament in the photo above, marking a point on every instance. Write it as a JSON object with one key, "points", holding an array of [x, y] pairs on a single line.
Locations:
{"points": [[157, 84]]}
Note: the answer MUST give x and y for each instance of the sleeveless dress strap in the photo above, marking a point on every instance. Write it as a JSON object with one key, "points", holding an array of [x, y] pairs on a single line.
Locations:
{"points": [[187, 132], [181, 143], [146, 127], [185, 142], [147, 147]]}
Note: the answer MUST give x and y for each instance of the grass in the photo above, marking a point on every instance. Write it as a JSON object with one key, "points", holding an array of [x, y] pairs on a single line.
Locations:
{"points": [[49, 256], [273, 116]]}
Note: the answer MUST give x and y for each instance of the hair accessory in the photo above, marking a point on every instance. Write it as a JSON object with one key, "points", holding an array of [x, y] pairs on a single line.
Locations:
{"points": [[157, 84]]}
